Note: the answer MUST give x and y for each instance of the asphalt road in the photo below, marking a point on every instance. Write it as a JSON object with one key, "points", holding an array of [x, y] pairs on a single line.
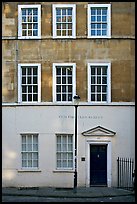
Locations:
{"points": [[129, 198]]}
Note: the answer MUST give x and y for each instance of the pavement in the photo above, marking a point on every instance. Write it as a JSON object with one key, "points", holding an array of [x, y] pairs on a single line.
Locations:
{"points": [[79, 192]]}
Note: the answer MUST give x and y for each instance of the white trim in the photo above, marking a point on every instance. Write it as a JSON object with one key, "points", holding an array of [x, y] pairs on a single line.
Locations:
{"points": [[70, 104], [5, 104], [19, 82], [73, 6], [20, 21], [108, 64], [108, 20], [109, 168], [54, 80]]}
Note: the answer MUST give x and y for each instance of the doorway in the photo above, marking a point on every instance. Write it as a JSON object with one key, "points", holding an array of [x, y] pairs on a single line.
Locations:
{"points": [[98, 165]]}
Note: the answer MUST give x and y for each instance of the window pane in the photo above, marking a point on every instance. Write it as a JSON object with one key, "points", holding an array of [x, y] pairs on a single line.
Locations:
{"points": [[29, 163], [104, 97], [104, 70], [24, 97], [35, 33], [24, 89], [58, 97], [29, 89], [29, 147], [63, 97], [29, 97], [35, 163], [29, 80], [35, 97], [92, 88], [69, 80], [104, 80], [63, 88], [69, 97], [104, 18], [104, 88], [98, 32], [92, 97], [58, 80], [35, 147], [35, 11], [35, 89], [98, 88], [70, 11], [58, 89], [58, 147], [98, 11], [58, 11], [92, 32], [24, 156], [35, 26], [30, 156], [35, 156], [58, 71], [93, 71], [24, 163], [23, 80], [92, 80], [63, 80], [98, 97], [64, 70], [34, 80], [98, 80], [70, 88], [104, 11], [23, 147], [104, 32]]}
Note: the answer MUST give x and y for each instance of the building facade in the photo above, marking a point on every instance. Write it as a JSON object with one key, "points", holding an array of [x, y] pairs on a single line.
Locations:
{"points": [[52, 51]]}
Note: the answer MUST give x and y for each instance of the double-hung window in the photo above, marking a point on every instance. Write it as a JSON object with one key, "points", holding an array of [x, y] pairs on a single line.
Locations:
{"points": [[64, 151], [29, 21], [99, 82], [29, 151], [64, 21], [99, 21], [64, 82], [29, 83]]}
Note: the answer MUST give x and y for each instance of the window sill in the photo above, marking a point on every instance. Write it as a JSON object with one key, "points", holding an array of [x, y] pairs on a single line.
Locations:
{"points": [[63, 171], [28, 170]]}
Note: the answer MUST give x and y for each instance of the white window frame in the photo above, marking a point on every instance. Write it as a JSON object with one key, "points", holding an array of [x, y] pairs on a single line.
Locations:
{"points": [[108, 20], [66, 168], [108, 64], [73, 80], [20, 84], [20, 21], [29, 168], [73, 6]]}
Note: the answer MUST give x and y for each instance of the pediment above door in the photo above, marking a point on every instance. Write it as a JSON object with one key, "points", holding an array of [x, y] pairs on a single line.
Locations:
{"points": [[98, 131]]}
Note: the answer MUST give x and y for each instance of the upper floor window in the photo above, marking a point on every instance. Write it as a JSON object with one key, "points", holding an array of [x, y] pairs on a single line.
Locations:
{"points": [[99, 82], [64, 81], [64, 20], [99, 20], [29, 21], [29, 83]]}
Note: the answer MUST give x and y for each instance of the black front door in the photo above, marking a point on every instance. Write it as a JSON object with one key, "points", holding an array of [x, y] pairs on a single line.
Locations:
{"points": [[98, 165]]}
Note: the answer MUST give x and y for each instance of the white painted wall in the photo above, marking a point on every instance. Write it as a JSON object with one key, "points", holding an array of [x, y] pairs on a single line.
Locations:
{"points": [[49, 120]]}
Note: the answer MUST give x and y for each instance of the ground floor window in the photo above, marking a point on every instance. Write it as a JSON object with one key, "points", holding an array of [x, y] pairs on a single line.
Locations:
{"points": [[29, 150], [64, 151]]}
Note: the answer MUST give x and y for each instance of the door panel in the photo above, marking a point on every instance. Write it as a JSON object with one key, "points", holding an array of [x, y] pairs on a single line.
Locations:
{"points": [[98, 164]]}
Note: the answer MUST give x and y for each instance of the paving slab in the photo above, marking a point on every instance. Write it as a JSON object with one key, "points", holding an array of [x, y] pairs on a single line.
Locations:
{"points": [[88, 192]]}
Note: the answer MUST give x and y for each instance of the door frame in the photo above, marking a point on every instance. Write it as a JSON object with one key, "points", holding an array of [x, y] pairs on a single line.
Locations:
{"points": [[97, 142]]}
